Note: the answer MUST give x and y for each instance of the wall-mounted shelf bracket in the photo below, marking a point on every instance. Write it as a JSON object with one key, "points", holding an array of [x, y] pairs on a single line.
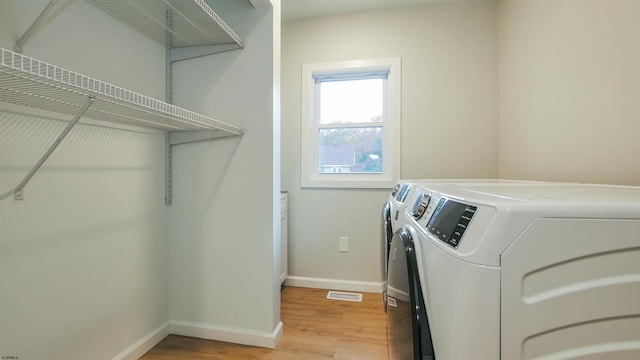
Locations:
{"points": [[27, 34], [17, 193], [168, 192], [185, 137], [185, 53]]}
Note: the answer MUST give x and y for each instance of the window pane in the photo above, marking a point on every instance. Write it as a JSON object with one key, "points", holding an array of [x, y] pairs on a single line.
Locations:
{"points": [[351, 101], [350, 150]]}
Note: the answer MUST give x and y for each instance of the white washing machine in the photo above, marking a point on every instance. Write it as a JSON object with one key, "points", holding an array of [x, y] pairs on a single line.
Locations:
{"points": [[399, 199], [520, 271], [394, 216], [393, 213]]}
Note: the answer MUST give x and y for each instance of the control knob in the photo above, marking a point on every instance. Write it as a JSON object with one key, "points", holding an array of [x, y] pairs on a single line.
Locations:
{"points": [[420, 206]]}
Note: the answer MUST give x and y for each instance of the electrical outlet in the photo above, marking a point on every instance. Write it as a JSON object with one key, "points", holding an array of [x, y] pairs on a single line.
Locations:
{"points": [[344, 244]]}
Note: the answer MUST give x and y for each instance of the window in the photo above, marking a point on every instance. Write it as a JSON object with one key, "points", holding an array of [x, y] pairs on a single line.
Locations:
{"points": [[351, 124]]}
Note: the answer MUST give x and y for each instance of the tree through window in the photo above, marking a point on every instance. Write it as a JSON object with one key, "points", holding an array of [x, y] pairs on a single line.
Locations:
{"points": [[350, 125]]}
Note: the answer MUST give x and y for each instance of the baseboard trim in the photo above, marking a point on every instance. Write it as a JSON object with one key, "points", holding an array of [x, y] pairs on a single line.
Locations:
{"points": [[202, 331], [239, 335], [140, 347], [227, 334], [334, 284]]}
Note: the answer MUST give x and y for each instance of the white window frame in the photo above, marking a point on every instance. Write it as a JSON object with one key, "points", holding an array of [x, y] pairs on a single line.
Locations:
{"points": [[310, 176]]}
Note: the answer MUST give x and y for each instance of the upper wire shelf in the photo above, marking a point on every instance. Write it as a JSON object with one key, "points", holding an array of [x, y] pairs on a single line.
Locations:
{"points": [[30, 82], [176, 23]]}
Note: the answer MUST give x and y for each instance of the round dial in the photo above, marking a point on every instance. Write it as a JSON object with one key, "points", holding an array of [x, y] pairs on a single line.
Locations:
{"points": [[420, 206], [395, 190]]}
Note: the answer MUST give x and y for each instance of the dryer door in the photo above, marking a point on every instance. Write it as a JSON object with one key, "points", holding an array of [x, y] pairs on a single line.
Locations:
{"points": [[386, 233], [408, 331]]}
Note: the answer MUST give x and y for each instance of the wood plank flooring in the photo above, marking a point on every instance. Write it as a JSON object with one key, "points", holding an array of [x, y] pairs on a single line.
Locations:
{"points": [[314, 328]]}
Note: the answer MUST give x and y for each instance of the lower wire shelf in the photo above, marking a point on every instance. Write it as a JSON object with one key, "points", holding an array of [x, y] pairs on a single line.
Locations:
{"points": [[33, 83], [30, 82]]}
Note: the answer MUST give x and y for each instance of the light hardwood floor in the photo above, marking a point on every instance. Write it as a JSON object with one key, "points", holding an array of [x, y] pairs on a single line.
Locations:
{"points": [[314, 328]]}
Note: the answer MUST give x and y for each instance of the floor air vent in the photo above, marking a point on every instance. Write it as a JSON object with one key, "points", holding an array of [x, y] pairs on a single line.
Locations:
{"points": [[345, 296]]}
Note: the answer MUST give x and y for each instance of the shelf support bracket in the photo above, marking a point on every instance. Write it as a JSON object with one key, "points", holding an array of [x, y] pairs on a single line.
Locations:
{"points": [[17, 193], [173, 55], [168, 190], [185, 53], [168, 194], [27, 34], [185, 137]]}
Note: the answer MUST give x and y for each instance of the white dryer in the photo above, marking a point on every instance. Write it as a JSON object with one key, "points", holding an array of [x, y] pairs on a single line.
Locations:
{"points": [[526, 271]]}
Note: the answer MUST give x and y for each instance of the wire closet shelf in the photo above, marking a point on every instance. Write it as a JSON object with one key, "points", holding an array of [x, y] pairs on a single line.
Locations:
{"points": [[30, 82], [176, 23]]}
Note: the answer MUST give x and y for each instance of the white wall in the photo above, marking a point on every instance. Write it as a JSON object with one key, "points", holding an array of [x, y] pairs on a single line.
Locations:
{"points": [[86, 264], [569, 85], [223, 224], [449, 120], [84, 257]]}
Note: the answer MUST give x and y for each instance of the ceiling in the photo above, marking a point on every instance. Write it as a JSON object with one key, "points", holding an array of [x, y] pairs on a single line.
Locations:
{"points": [[302, 9]]}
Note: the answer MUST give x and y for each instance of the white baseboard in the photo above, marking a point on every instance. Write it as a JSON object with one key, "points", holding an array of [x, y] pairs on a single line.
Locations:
{"points": [[335, 284], [239, 335], [202, 331], [140, 347], [227, 334]]}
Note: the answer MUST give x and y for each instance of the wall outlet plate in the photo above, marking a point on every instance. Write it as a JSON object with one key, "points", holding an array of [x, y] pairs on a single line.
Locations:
{"points": [[344, 244]]}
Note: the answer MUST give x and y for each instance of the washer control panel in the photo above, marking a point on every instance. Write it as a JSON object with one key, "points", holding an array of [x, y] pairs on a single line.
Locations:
{"points": [[403, 191], [395, 190], [450, 220], [445, 218]]}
